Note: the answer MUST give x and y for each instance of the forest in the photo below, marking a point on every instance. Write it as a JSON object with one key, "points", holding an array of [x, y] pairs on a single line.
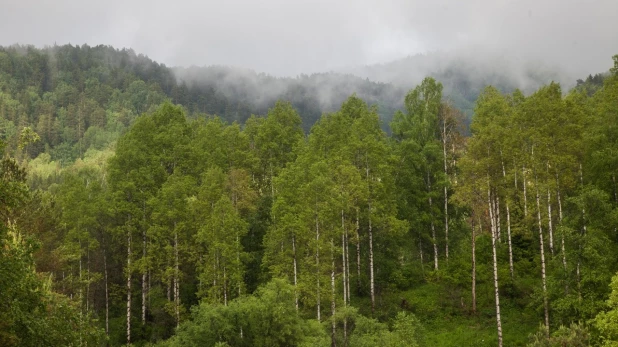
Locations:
{"points": [[141, 208]]}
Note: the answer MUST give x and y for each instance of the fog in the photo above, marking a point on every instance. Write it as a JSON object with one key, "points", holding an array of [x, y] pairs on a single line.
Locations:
{"points": [[289, 37]]}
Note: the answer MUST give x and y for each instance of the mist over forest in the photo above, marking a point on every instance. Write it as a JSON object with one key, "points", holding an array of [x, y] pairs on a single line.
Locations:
{"points": [[301, 173]]}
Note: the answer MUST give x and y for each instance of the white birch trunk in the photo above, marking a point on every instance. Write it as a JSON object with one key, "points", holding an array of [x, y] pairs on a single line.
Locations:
{"points": [[433, 229], [317, 263], [371, 273], [585, 229], [144, 283], [371, 278], [497, 293], [129, 286], [347, 267], [495, 268], [581, 178], [358, 252], [81, 295], [474, 265], [176, 278], [88, 278], [343, 259], [295, 272], [106, 295], [562, 247], [498, 223], [543, 273], [508, 234], [549, 223], [332, 290], [445, 191], [224, 286], [523, 170]]}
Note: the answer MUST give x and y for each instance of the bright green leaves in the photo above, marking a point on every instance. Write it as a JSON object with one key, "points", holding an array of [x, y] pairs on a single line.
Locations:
{"points": [[27, 137], [267, 318], [218, 209], [607, 322], [336, 194], [222, 267], [422, 106], [30, 313], [371, 333], [420, 170], [274, 140]]}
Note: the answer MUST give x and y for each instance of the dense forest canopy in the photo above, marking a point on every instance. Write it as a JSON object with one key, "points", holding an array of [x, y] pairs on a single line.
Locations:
{"points": [[143, 205]]}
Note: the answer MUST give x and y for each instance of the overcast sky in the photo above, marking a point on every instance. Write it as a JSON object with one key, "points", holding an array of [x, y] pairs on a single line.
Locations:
{"points": [[287, 37]]}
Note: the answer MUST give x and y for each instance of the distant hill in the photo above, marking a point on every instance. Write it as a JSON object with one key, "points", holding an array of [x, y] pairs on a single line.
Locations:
{"points": [[81, 97], [465, 74], [312, 95]]}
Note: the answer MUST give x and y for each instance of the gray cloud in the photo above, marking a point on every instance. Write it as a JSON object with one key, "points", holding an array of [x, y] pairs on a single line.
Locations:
{"points": [[287, 37]]}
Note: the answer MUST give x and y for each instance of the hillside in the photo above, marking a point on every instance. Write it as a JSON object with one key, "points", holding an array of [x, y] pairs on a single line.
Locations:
{"points": [[130, 215], [78, 97], [62, 91]]}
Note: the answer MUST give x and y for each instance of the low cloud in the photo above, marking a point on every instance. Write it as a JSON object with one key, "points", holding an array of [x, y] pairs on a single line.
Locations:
{"points": [[289, 37]]}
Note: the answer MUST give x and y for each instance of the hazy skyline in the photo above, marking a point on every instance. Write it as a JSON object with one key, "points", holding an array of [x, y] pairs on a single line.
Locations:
{"points": [[288, 37]]}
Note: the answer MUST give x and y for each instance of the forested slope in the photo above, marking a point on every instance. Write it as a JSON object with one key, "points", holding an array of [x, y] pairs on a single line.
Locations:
{"points": [[81, 97], [185, 229]]}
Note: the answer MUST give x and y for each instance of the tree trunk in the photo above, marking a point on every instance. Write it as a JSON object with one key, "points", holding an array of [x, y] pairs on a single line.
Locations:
{"points": [[515, 176], [583, 232], [371, 278], [495, 268], [581, 178], [371, 274], [615, 190], [332, 298], [80, 283], [317, 262], [295, 272], [106, 294], [433, 229], [347, 267], [508, 234], [543, 273], [474, 265], [343, 259], [88, 278], [420, 251], [523, 170], [358, 253], [446, 222], [129, 286], [215, 269], [562, 248], [445, 191], [176, 278], [224, 285], [344, 276], [549, 223], [144, 283], [497, 293]]}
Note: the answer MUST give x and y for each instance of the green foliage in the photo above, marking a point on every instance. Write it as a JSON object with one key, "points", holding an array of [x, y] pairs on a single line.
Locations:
{"points": [[606, 322], [31, 314], [153, 216], [576, 335], [268, 318], [369, 332]]}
